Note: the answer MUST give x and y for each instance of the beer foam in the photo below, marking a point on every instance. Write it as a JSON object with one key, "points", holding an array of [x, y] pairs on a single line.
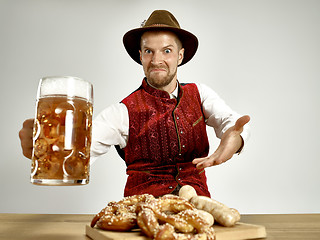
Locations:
{"points": [[65, 85]]}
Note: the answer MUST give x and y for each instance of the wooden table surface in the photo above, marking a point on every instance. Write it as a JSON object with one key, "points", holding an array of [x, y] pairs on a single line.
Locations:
{"points": [[72, 226]]}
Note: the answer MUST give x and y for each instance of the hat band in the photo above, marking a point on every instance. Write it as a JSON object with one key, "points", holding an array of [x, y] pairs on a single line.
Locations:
{"points": [[158, 25]]}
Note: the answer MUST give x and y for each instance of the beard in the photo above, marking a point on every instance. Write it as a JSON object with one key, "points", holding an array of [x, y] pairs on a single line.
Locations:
{"points": [[160, 80]]}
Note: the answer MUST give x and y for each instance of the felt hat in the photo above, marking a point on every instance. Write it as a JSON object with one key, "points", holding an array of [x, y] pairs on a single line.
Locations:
{"points": [[160, 20]]}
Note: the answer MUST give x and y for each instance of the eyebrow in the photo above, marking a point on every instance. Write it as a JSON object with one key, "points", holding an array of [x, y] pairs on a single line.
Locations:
{"points": [[167, 46]]}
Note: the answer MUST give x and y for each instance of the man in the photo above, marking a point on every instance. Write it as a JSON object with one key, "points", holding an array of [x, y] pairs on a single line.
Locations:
{"points": [[160, 129]]}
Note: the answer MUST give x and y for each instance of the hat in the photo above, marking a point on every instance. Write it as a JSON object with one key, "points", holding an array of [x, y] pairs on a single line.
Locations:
{"points": [[160, 20]]}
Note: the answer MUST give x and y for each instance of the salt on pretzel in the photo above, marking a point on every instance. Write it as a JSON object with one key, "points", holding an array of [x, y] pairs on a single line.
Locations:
{"points": [[172, 217], [163, 218], [164, 209], [207, 217], [121, 215], [221, 213]]}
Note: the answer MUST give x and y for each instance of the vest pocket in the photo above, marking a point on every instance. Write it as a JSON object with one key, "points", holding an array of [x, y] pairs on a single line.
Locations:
{"points": [[196, 122]]}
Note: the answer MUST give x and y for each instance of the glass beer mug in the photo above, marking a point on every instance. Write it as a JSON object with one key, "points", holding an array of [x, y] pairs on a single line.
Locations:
{"points": [[62, 132]]}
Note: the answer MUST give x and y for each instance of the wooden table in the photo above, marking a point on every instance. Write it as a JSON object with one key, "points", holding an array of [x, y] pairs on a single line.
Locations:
{"points": [[72, 226]]}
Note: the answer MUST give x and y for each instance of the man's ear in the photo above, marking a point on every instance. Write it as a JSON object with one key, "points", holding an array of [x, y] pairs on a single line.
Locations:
{"points": [[140, 55], [181, 55]]}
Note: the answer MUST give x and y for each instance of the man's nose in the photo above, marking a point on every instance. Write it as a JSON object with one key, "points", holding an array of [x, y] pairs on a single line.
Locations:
{"points": [[157, 58]]}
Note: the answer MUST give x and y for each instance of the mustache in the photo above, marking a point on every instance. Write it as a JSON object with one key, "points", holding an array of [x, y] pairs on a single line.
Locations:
{"points": [[153, 66]]}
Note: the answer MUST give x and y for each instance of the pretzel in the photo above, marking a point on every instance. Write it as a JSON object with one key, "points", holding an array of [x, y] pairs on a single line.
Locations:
{"points": [[167, 231], [222, 214], [121, 215], [167, 217], [207, 217], [172, 217]]}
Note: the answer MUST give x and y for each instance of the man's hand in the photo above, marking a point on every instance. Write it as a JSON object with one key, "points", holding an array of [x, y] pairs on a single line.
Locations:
{"points": [[25, 135], [231, 142]]}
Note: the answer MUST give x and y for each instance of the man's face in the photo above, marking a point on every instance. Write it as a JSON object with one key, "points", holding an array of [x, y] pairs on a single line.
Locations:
{"points": [[160, 55]]}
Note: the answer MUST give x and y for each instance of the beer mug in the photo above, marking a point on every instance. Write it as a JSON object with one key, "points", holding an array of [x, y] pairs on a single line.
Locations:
{"points": [[62, 132]]}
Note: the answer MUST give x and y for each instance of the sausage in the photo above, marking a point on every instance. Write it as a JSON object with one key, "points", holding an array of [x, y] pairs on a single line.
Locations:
{"points": [[221, 213]]}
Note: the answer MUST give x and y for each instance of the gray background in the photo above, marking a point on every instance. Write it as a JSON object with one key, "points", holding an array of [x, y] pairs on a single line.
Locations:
{"points": [[262, 57]]}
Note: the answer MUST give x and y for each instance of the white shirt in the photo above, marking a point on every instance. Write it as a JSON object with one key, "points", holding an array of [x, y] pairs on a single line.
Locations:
{"points": [[111, 126]]}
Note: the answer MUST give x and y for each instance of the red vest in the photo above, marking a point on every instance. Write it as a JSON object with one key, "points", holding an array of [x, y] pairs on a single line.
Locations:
{"points": [[165, 135]]}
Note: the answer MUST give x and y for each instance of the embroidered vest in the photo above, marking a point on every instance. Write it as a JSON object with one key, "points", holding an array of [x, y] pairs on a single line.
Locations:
{"points": [[165, 135]]}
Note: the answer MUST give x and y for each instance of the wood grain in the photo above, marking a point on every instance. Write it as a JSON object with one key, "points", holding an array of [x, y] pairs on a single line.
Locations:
{"points": [[240, 231], [18, 226]]}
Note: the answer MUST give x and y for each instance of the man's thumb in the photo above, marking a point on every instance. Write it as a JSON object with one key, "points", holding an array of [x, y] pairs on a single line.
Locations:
{"points": [[241, 122]]}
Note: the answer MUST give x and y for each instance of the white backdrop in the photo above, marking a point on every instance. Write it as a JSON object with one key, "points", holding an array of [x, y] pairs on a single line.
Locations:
{"points": [[261, 56]]}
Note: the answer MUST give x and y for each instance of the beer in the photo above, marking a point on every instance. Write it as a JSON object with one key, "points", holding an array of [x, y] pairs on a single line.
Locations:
{"points": [[61, 140]]}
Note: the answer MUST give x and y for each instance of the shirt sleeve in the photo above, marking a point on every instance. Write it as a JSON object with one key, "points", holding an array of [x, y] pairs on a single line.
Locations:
{"points": [[218, 114], [110, 127]]}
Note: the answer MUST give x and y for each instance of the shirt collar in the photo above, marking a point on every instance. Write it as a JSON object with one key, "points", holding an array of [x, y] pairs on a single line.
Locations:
{"points": [[154, 91], [174, 94]]}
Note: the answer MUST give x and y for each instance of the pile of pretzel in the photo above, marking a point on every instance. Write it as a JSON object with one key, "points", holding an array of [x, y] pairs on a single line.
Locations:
{"points": [[183, 217]]}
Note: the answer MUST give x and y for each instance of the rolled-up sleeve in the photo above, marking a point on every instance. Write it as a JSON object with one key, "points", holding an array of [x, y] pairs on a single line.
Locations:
{"points": [[218, 114]]}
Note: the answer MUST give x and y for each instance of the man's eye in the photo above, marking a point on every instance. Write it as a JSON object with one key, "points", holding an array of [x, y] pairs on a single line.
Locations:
{"points": [[167, 51], [147, 51]]}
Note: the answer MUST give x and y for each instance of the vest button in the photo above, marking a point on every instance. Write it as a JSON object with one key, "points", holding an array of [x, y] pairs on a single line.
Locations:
{"points": [[177, 118], [170, 187], [183, 146]]}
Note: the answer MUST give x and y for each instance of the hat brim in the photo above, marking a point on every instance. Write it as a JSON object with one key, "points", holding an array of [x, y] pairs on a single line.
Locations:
{"points": [[131, 41]]}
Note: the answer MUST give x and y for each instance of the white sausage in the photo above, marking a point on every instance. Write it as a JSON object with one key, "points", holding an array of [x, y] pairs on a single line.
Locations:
{"points": [[221, 213]]}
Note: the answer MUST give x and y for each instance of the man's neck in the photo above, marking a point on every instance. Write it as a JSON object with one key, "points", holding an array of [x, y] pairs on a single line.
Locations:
{"points": [[170, 88]]}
